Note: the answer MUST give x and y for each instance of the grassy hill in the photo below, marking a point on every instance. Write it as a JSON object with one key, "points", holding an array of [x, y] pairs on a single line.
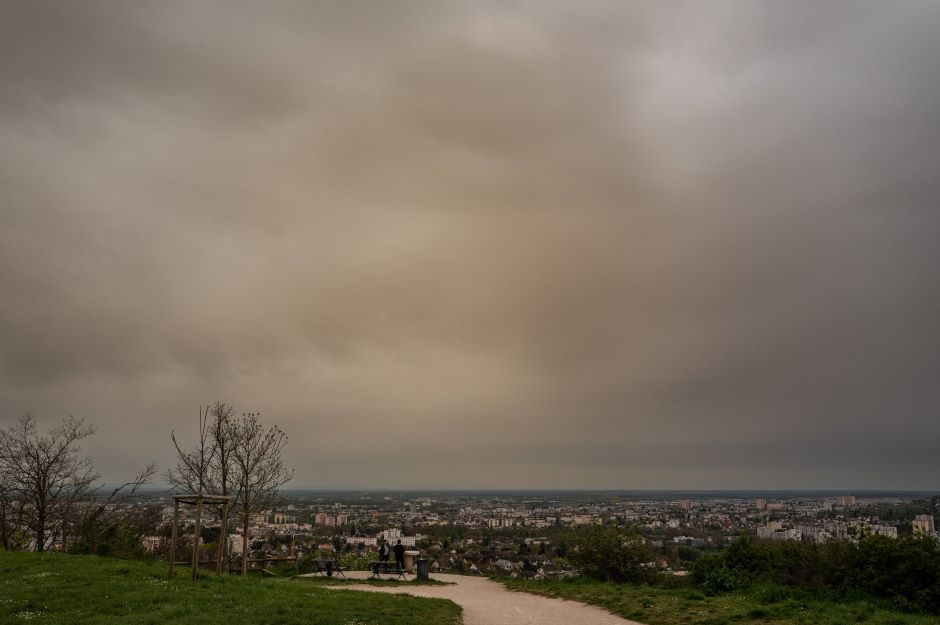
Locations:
{"points": [[58, 588], [689, 606]]}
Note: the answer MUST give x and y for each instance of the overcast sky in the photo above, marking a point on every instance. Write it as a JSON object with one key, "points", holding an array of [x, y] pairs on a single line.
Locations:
{"points": [[445, 244]]}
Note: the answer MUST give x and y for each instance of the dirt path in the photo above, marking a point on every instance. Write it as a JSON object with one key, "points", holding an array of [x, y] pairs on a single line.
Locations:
{"points": [[486, 602]]}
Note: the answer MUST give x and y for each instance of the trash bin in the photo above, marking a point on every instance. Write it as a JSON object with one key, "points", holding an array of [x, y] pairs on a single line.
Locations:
{"points": [[410, 556], [422, 568]]}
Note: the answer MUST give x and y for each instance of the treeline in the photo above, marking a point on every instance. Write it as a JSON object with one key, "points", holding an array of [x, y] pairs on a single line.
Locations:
{"points": [[904, 572], [51, 497]]}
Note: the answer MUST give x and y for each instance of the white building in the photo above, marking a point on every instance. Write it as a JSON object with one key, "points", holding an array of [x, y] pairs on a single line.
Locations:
{"points": [[885, 530], [151, 543], [393, 535], [923, 524], [497, 522], [368, 541]]}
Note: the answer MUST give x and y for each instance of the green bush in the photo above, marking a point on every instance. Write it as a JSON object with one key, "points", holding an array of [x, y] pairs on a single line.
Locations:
{"points": [[305, 563], [711, 572], [116, 541], [688, 554], [350, 561], [904, 571], [610, 554], [355, 561]]}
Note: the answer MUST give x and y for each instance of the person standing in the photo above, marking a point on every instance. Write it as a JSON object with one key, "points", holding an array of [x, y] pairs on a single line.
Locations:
{"points": [[400, 554], [384, 551]]}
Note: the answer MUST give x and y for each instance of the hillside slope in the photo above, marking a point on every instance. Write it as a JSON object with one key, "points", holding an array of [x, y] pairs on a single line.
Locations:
{"points": [[57, 588]]}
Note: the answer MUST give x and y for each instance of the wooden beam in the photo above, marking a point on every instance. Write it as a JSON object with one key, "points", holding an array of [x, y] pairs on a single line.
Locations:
{"points": [[223, 539], [176, 517], [196, 537]]}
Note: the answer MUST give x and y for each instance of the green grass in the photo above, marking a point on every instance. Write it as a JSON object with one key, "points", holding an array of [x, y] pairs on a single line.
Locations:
{"points": [[689, 606], [77, 590]]}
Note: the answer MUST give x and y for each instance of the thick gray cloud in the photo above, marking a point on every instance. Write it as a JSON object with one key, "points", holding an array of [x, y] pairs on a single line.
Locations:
{"points": [[689, 245]]}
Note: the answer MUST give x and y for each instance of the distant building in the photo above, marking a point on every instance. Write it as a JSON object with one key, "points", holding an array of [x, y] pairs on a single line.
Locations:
{"points": [[497, 522], [761, 504], [368, 541], [690, 541], [885, 530], [836, 529], [923, 524], [152, 544], [768, 533], [393, 535], [330, 520]]}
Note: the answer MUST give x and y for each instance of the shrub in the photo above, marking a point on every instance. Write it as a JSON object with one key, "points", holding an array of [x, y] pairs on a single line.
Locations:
{"points": [[711, 572], [610, 554], [904, 571], [355, 561]]}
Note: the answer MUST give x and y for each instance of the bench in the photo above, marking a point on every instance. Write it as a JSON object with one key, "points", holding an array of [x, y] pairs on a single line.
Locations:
{"points": [[390, 568], [328, 567]]}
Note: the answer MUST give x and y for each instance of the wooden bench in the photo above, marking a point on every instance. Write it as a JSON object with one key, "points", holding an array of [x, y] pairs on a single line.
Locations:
{"points": [[328, 567], [389, 568]]}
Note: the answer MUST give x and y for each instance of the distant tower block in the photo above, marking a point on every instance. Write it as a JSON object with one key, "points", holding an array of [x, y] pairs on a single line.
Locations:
{"points": [[761, 504], [923, 524]]}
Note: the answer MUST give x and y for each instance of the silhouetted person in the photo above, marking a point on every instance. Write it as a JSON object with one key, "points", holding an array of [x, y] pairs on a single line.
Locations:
{"points": [[384, 551], [400, 555]]}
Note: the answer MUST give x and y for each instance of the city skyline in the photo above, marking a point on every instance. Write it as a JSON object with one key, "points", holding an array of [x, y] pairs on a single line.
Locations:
{"points": [[481, 245]]}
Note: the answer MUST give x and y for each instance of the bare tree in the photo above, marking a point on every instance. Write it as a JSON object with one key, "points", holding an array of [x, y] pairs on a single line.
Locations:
{"points": [[7, 514], [191, 472], [209, 466], [259, 469], [45, 472], [222, 467], [99, 518], [221, 433]]}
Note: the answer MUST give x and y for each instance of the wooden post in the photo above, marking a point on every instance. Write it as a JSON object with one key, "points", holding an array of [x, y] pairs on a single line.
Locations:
{"points": [[223, 539], [196, 536], [176, 516]]}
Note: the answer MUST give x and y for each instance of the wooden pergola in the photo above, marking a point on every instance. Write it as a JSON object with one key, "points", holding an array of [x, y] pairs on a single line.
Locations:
{"points": [[197, 500]]}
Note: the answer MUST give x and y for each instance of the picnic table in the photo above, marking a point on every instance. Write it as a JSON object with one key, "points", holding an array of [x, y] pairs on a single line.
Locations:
{"points": [[390, 568], [328, 567]]}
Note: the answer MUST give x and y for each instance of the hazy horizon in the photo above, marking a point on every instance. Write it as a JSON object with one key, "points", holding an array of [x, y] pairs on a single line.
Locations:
{"points": [[521, 245]]}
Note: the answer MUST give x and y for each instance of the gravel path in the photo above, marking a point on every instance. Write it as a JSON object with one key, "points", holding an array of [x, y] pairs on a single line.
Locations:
{"points": [[486, 602]]}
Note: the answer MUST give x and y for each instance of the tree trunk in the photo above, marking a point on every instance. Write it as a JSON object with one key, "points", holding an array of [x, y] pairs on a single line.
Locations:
{"points": [[245, 547], [41, 530], [4, 544]]}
